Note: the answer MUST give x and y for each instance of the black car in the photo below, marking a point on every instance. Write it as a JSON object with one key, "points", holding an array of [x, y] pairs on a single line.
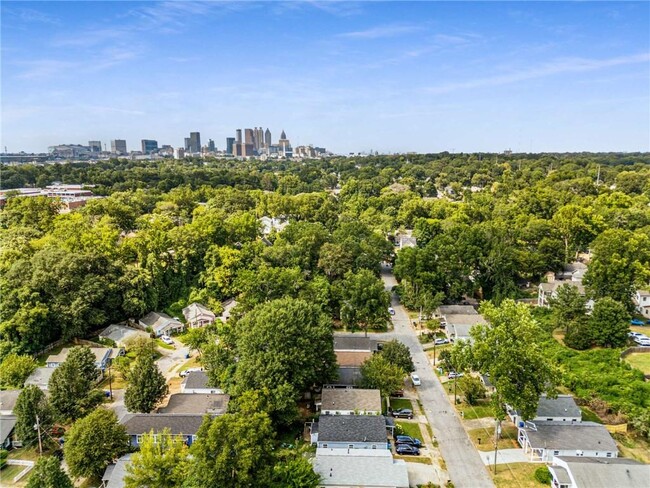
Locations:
{"points": [[407, 449], [405, 439], [402, 413]]}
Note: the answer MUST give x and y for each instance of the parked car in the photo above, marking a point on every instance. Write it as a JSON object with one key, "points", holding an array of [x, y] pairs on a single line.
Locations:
{"points": [[406, 450], [641, 338], [405, 439], [452, 374], [391, 310], [635, 334], [636, 322], [643, 342], [402, 413], [440, 342], [415, 379], [167, 340], [187, 371]]}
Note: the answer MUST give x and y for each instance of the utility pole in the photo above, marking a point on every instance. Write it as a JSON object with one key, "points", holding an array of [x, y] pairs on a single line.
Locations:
{"points": [[455, 378], [110, 381], [497, 433], [38, 429]]}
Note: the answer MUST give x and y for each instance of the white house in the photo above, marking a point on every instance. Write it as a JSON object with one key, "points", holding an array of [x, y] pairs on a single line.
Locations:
{"points": [[543, 441], [560, 409], [571, 275], [582, 472], [270, 224], [350, 401], [350, 432], [355, 468], [642, 302], [103, 356], [198, 315], [161, 324]]}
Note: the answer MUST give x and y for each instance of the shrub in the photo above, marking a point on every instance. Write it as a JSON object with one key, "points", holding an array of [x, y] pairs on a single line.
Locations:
{"points": [[543, 475]]}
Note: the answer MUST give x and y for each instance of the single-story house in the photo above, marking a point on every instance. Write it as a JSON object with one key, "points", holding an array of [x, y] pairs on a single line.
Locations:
{"points": [[227, 307], [354, 468], [115, 473], [192, 403], [103, 356], [197, 382], [547, 291], [641, 301], [459, 325], [198, 315], [560, 409], [7, 424], [355, 343], [350, 432], [122, 334], [582, 472], [350, 401], [8, 401], [489, 386], [444, 310], [161, 324], [543, 441], [574, 271], [40, 377], [140, 424]]}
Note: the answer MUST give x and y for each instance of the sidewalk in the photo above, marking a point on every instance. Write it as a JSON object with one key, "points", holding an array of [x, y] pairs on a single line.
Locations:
{"points": [[504, 456]]}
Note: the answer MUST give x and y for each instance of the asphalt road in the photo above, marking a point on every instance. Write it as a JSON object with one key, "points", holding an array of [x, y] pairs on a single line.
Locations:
{"points": [[464, 465]]}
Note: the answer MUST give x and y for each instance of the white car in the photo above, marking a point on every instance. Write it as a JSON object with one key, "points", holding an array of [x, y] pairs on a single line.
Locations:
{"points": [[640, 338], [391, 310], [415, 379], [643, 342], [187, 371], [167, 340]]}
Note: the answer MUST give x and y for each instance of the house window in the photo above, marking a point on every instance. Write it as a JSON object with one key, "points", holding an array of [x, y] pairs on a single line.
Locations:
{"points": [[139, 438], [374, 446], [324, 445], [350, 446], [609, 454], [556, 453]]}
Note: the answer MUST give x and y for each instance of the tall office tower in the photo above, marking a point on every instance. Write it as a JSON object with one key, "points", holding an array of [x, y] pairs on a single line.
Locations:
{"points": [[267, 138], [149, 146], [285, 146], [230, 141], [187, 144], [195, 142], [259, 138], [118, 146], [211, 146], [238, 136], [179, 153], [249, 136], [95, 146]]}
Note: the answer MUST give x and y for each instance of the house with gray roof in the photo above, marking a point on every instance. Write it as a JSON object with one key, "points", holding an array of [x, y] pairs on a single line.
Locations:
{"points": [[40, 377], [543, 441], [192, 403], [197, 382], [7, 424], [455, 310], [8, 401], [198, 315], [458, 326], [349, 401], [103, 356], [350, 432], [122, 334], [582, 472], [183, 425], [560, 409], [161, 324], [355, 343], [114, 475], [354, 468]]}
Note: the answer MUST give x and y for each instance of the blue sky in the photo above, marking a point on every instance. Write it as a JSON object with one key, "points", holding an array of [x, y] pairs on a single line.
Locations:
{"points": [[391, 77]]}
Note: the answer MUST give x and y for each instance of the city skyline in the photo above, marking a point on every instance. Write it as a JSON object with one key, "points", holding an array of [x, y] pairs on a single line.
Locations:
{"points": [[392, 77]]}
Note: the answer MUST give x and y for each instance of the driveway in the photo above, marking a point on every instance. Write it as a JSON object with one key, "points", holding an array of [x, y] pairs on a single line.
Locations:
{"points": [[117, 405], [171, 359], [464, 465]]}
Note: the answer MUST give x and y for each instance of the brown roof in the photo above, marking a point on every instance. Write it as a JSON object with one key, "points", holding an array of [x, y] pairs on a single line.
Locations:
{"points": [[351, 399], [351, 358]]}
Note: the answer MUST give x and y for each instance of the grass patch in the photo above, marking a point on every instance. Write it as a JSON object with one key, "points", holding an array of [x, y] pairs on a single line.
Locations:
{"points": [[590, 416], [160, 343], [118, 382], [639, 360], [190, 363], [414, 459], [26, 453], [642, 329], [411, 429], [633, 446], [397, 403], [516, 475], [470, 412], [508, 438], [7, 476]]}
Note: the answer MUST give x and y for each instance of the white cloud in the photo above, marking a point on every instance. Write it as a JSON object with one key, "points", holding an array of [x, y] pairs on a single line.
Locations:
{"points": [[382, 31]]}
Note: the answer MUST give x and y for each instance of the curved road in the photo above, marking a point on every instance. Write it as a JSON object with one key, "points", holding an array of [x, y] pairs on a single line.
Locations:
{"points": [[464, 465]]}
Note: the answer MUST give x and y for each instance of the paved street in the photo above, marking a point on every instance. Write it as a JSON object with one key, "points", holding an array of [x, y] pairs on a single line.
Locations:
{"points": [[117, 405], [464, 465], [171, 359]]}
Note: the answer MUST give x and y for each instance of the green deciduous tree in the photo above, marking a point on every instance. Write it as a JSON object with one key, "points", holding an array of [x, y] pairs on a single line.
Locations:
{"points": [[294, 472], [71, 385], [93, 442], [609, 323], [147, 385], [31, 403], [377, 372], [161, 462], [364, 301], [398, 354], [15, 369], [47, 473], [568, 306], [472, 388]]}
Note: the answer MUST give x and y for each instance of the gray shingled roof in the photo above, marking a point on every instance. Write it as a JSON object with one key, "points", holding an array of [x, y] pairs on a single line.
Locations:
{"points": [[7, 424], [197, 403], [196, 379], [608, 472], [586, 436], [350, 399], [356, 343], [351, 428], [367, 467], [562, 406], [349, 375], [8, 399], [457, 310], [143, 423], [115, 473]]}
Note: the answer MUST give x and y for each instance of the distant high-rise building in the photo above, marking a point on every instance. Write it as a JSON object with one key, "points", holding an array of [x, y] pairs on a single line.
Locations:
{"points": [[187, 144], [230, 141], [239, 136], [179, 153], [95, 146], [259, 138], [267, 138], [249, 136], [118, 146], [211, 146], [285, 146], [149, 146], [195, 142]]}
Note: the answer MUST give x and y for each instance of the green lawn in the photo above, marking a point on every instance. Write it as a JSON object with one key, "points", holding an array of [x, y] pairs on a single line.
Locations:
{"points": [[7, 476], [589, 416], [640, 360], [160, 343], [508, 438], [397, 403], [411, 429], [476, 411], [516, 475]]}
